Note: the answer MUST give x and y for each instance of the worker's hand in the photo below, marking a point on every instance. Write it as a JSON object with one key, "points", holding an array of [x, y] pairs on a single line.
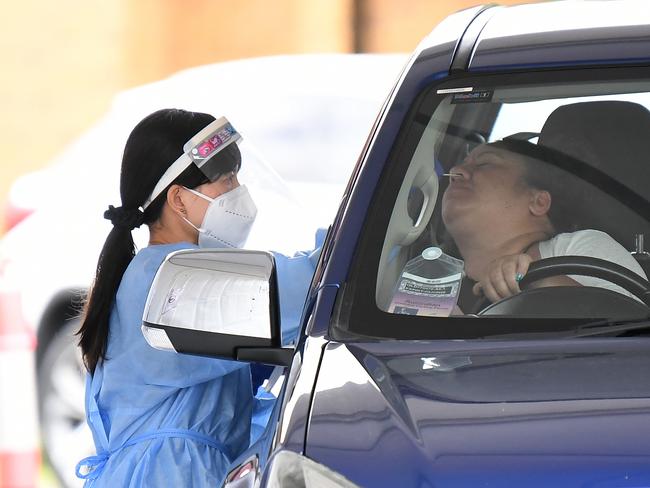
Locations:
{"points": [[503, 277]]}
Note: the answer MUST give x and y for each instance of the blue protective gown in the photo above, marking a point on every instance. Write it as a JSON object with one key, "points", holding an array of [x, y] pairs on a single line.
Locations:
{"points": [[164, 419]]}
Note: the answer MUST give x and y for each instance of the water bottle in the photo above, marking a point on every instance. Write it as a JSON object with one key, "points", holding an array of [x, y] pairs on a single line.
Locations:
{"points": [[429, 285]]}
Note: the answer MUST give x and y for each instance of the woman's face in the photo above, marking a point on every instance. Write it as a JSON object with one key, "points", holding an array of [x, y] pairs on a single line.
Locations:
{"points": [[488, 185], [197, 206]]}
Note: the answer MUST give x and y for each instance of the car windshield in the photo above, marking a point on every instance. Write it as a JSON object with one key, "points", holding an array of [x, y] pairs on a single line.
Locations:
{"points": [[510, 207]]}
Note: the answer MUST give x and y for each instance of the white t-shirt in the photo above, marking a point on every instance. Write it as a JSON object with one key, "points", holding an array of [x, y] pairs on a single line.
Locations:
{"points": [[591, 243]]}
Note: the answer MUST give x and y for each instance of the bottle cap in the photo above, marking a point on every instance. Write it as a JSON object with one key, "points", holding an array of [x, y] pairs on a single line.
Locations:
{"points": [[431, 253]]}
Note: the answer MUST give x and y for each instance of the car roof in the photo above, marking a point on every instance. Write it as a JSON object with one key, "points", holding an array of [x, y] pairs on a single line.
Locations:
{"points": [[549, 34]]}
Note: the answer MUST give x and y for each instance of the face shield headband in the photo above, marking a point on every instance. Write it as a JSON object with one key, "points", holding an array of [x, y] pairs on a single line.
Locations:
{"points": [[199, 150]]}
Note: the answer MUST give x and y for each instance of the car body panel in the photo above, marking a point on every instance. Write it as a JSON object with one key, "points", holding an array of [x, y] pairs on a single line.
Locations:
{"points": [[297, 398], [424, 416]]}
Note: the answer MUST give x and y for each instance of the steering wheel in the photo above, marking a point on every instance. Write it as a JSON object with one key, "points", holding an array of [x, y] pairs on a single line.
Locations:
{"points": [[575, 300]]}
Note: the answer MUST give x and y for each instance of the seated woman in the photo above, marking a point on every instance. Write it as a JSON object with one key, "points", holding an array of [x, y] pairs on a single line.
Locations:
{"points": [[505, 210]]}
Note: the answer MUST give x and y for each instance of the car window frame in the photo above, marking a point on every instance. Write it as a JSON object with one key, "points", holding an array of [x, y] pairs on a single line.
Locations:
{"points": [[356, 315]]}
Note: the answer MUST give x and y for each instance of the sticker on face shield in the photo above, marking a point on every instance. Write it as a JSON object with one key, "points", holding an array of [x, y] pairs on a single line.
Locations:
{"points": [[206, 148], [476, 96]]}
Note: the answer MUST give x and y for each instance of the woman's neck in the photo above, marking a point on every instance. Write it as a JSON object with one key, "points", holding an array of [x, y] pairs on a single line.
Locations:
{"points": [[170, 231], [479, 254]]}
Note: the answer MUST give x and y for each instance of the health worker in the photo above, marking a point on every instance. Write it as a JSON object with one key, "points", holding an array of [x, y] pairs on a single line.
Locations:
{"points": [[158, 418]]}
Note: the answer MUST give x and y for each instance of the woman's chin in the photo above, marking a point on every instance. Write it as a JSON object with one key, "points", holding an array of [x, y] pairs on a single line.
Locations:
{"points": [[454, 208]]}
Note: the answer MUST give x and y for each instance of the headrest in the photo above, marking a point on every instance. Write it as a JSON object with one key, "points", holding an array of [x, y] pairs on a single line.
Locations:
{"points": [[613, 136]]}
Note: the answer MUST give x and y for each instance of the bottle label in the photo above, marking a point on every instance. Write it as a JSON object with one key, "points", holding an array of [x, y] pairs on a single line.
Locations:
{"points": [[430, 297]]}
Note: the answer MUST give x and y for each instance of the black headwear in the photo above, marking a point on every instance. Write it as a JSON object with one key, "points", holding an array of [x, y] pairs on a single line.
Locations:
{"points": [[128, 218]]}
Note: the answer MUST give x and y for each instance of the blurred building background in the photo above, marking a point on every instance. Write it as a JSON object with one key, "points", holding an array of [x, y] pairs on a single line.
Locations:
{"points": [[63, 61]]}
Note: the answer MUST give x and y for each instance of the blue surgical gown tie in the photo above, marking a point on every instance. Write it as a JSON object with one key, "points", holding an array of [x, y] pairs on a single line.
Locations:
{"points": [[95, 464]]}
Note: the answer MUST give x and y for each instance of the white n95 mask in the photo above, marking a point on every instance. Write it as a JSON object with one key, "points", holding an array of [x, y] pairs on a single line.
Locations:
{"points": [[228, 219]]}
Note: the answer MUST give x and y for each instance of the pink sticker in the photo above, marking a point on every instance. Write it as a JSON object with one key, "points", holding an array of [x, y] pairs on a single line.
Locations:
{"points": [[210, 145], [205, 149]]}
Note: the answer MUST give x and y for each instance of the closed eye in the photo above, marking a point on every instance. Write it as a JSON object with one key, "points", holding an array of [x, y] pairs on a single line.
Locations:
{"points": [[482, 164]]}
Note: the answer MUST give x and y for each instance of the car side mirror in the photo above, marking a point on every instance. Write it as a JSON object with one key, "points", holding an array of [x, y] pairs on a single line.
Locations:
{"points": [[216, 302]]}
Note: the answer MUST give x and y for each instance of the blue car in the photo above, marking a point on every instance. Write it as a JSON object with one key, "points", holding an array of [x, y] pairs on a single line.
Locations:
{"points": [[479, 315]]}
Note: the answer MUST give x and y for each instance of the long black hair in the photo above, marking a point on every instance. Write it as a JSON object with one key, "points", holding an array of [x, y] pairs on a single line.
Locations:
{"points": [[153, 145]]}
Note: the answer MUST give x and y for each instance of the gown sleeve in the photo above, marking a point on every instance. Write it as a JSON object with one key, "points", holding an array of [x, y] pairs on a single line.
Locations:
{"points": [[294, 277]]}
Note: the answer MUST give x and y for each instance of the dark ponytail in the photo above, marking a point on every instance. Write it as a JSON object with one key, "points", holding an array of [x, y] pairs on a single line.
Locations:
{"points": [[154, 144], [114, 258]]}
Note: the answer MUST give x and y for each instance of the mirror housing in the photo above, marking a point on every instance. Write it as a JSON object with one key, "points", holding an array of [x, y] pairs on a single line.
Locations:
{"points": [[216, 302]]}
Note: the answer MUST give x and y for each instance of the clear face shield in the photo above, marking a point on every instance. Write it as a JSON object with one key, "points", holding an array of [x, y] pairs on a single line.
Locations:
{"points": [[210, 141], [200, 151]]}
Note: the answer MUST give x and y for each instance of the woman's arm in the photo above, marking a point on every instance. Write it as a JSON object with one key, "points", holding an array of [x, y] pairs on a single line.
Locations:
{"points": [[504, 274]]}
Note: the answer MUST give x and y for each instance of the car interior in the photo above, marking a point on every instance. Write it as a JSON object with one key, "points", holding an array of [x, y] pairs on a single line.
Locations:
{"points": [[604, 133]]}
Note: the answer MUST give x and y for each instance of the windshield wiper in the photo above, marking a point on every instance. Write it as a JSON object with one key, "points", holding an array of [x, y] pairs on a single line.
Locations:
{"points": [[613, 327]]}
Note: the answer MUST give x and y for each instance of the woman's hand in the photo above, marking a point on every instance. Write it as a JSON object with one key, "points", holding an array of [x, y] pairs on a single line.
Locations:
{"points": [[503, 277]]}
